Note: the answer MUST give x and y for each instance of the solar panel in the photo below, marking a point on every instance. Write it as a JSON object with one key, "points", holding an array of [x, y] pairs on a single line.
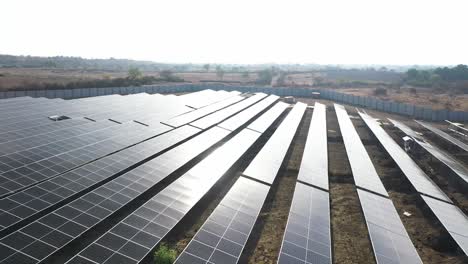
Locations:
{"points": [[46, 162], [223, 236], [24, 204], [71, 220], [444, 135], [219, 116], [453, 219], [199, 113], [364, 173], [420, 181], [241, 118], [454, 165], [314, 164], [268, 161], [262, 123], [389, 238], [307, 237], [142, 230], [203, 100]]}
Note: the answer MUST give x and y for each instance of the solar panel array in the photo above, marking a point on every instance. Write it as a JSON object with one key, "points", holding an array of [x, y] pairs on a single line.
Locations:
{"points": [[444, 135], [457, 167], [388, 236], [451, 217], [224, 234], [150, 159], [364, 173], [307, 238], [268, 161], [420, 181], [142, 230]]}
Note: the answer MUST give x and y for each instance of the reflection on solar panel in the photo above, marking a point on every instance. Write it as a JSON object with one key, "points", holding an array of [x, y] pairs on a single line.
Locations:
{"points": [[56, 229], [307, 235], [389, 238], [203, 98], [196, 114], [266, 164], [262, 123], [31, 201], [241, 118], [314, 164], [444, 135], [364, 173], [441, 155], [135, 236], [453, 219], [420, 181], [219, 116], [222, 237]]}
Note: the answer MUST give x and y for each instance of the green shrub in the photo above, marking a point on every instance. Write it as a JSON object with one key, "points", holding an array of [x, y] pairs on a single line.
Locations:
{"points": [[165, 255]]}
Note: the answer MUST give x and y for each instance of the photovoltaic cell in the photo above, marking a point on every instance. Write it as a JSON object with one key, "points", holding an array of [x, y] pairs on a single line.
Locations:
{"points": [[444, 135], [241, 118], [268, 161], [454, 165], [453, 219], [420, 181], [262, 123], [307, 236], [364, 173], [314, 164], [90, 209], [31, 201], [223, 236], [142, 230], [389, 238]]}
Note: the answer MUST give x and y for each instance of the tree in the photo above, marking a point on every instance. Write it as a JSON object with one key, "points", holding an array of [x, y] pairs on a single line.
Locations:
{"points": [[219, 72], [166, 74], [206, 67], [245, 75], [134, 73]]}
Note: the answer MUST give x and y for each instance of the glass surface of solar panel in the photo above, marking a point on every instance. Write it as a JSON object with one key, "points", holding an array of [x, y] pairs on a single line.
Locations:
{"points": [[219, 116], [389, 238], [80, 215], [26, 203], [58, 159], [314, 164], [453, 219], [224, 234], [454, 165], [444, 135], [364, 173], [262, 123], [199, 113], [267, 162], [307, 236], [241, 118], [420, 181], [142, 230], [203, 101]]}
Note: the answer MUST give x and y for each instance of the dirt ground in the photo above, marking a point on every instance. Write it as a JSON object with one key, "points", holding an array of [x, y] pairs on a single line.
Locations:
{"points": [[423, 97]]}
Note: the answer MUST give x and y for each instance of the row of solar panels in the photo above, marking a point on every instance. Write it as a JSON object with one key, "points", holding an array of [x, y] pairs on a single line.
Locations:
{"points": [[96, 191], [451, 217]]}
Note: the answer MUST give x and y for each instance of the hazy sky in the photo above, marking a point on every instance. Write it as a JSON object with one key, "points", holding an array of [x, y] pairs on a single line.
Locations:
{"points": [[240, 31]]}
